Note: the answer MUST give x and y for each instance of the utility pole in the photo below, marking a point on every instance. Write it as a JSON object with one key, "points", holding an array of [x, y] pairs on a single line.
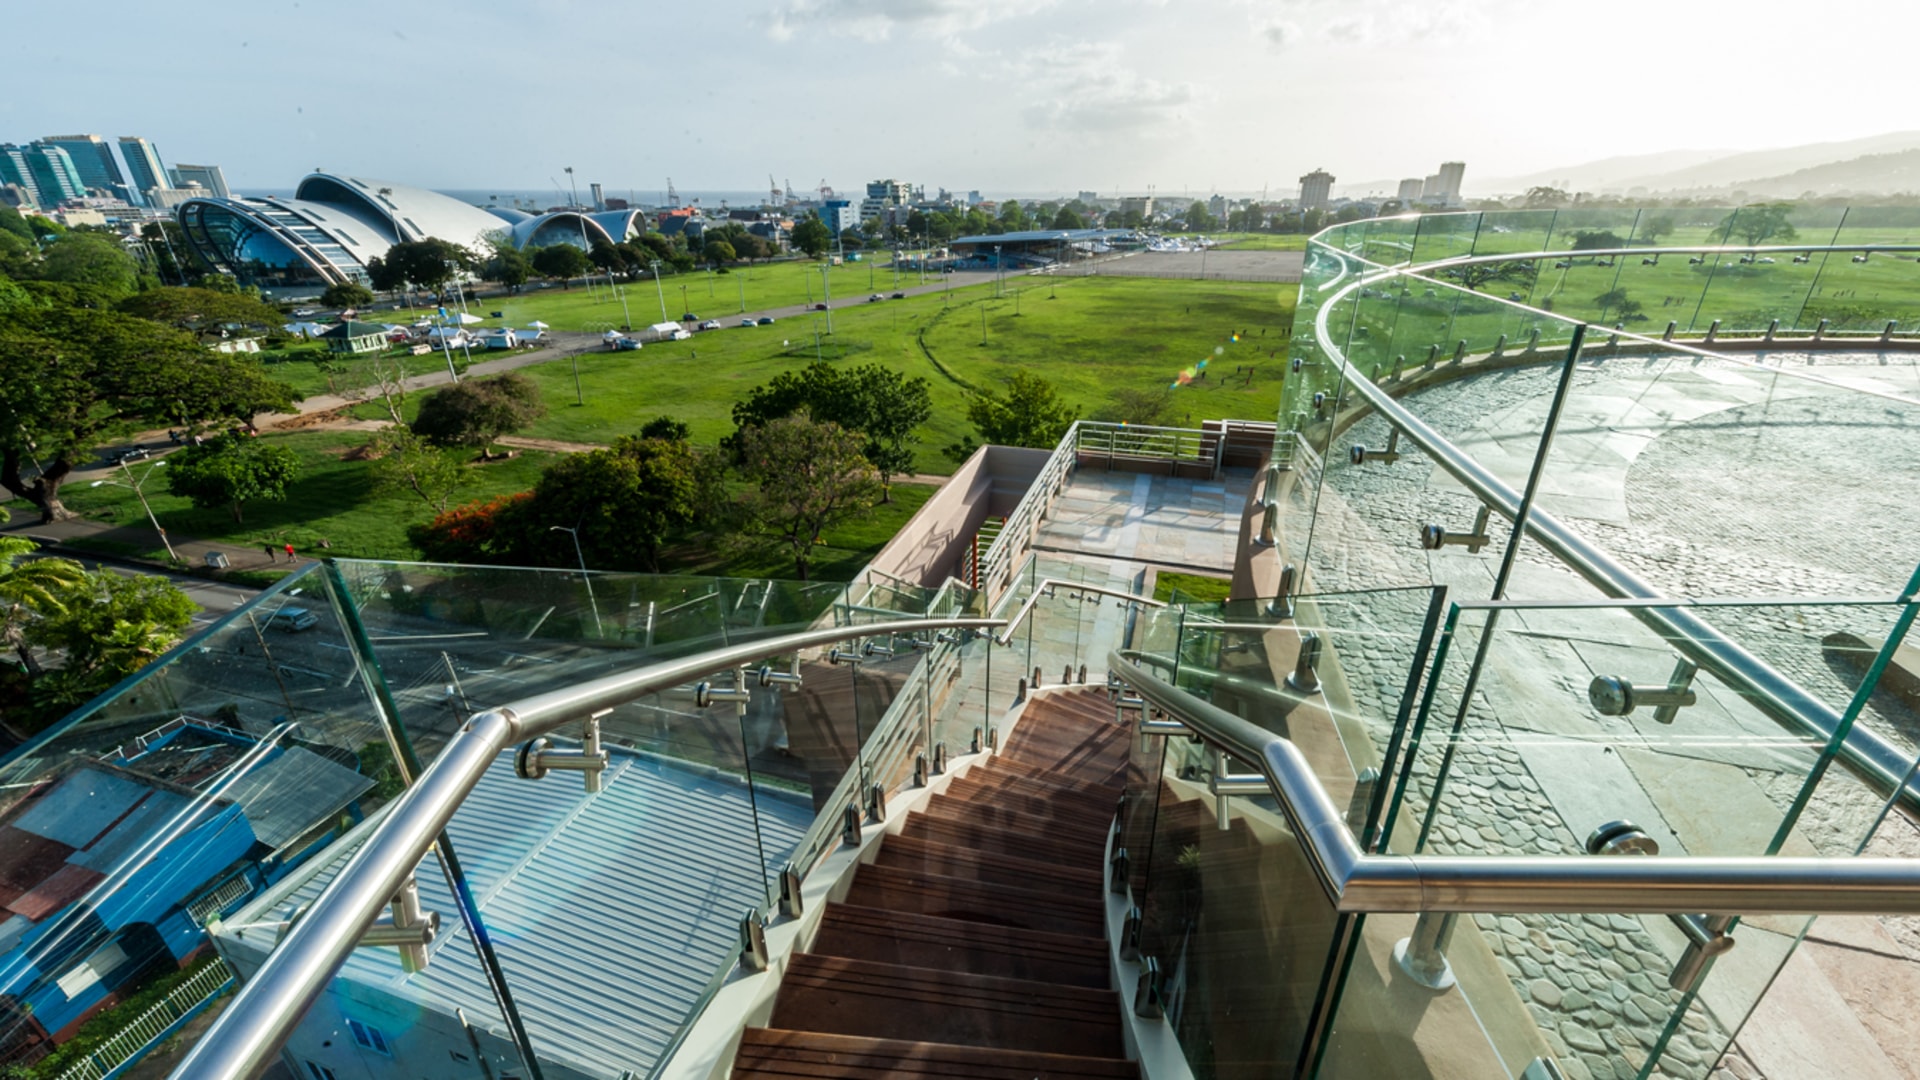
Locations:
{"points": [[654, 264]]}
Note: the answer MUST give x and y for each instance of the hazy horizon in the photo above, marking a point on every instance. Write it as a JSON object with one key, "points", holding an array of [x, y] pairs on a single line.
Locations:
{"points": [[1043, 97]]}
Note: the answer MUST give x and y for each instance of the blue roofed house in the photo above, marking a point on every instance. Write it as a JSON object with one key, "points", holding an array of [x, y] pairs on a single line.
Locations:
{"points": [[111, 867]]}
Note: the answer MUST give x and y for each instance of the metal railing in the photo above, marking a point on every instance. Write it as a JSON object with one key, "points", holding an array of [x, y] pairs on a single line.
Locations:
{"points": [[249, 1033], [1880, 762], [153, 1026], [1356, 881]]}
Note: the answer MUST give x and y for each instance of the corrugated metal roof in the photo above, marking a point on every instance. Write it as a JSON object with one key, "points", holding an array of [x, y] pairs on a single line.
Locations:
{"points": [[292, 792], [84, 804], [612, 914]]}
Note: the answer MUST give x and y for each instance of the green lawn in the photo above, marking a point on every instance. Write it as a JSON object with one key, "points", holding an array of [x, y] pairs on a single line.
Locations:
{"points": [[310, 369], [1193, 588], [1264, 241], [841, 554], [332, 500], [719, 296]]}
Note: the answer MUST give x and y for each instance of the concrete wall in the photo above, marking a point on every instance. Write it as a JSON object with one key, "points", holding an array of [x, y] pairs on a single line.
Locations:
{"points": [[989, 484]]}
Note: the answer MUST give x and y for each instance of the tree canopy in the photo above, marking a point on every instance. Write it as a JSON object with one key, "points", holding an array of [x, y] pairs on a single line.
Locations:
{"points": [[230, 470], [478, 411], [883, 405], [624, 501], [808, 476], [812, 236], [109, 627], [560, 261], [1029, 413], [205, 313], [1757, 224]]}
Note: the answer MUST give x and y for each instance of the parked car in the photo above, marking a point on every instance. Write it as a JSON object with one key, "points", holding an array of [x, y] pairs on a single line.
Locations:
{"points": [[710, 324], [819, 307], [875, 298], [305, 312], [292, 620], [899, 296], [689, 317], [766, 320], [627, 344], [131, 453], [747, 322]]}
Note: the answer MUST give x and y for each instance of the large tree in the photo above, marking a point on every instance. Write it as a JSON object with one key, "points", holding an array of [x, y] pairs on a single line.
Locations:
{"points": [[403, 461], [72, 378], [429, 265], [205, 313], [883, 405], [109, 627], [808, 476], [478, 411], [89, 258], [624, 502], [1030, 413], [30, 590], [1476, 275], [231, 469], [346, 294], [560, 261], [1757, 224], [812, 236]]}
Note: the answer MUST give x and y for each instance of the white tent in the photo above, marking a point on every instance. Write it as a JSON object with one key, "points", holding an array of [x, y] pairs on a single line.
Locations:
{"points": [[664, 327], [536, 325], [464, 318]]}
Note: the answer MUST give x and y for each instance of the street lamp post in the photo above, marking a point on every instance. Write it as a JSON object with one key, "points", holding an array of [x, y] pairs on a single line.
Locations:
{"points": [[683, 299], [144, 505], [586, 246], [826, 294], [654, 265], [742, 282], [584, 575]]}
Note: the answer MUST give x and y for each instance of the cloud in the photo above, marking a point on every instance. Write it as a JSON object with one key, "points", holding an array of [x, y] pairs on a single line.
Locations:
{"points": [[1279, 33], [1088, 89], [1285, 23], [877, 20]]}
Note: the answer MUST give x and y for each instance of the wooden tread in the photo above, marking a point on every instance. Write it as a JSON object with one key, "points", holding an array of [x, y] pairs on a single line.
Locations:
{"points": [[1016, 842], [987, 867], [997, 905], [928, 941], [777, 1053], [890, 1001]]}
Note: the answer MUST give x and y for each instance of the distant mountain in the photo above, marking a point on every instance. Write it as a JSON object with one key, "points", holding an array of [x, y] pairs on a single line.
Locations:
{"points": [[1607, 174], [1880, 174], [1708, 170]]}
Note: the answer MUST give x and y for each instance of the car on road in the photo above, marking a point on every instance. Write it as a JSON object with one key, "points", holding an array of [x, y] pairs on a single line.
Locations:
{"points": [[766, 320], [131, 453], [689, 317], [819, 307], [899, 296], [875, 298], [710, 324], [748, 322], [305, 312], [292, 620]]}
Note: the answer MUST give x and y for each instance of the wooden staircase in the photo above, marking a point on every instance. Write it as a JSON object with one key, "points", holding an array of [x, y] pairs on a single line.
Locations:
{"points": [[974, 945]]}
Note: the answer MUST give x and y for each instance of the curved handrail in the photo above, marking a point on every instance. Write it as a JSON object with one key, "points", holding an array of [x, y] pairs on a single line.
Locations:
{"points": [[1044, 588], [1356, 881], [247, 1036]]}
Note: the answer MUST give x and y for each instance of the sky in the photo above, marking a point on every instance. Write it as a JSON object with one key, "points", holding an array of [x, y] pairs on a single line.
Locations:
{"points": [[1004, 96]]}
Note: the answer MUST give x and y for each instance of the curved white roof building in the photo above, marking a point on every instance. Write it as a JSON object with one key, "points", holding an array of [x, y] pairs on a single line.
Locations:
{"points": [[328, 232]]}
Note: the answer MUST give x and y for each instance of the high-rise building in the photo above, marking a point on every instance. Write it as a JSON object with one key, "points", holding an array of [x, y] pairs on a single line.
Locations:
{"points": [[145, 170], [1138, 204], [1217, 208], [14, 170], [1410, 190], [838, 215], [1316, 188], [54, 174], [598, 195], [1450, 175], [207, 176], [93, 157], [1430, 188], [882, 194]]}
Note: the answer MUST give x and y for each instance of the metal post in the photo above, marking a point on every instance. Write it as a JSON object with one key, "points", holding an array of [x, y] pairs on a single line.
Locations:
{"points": [[585, 576], [1423, 955]]}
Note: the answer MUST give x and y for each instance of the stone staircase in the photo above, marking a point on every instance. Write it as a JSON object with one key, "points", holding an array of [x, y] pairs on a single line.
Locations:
{"points": [[974, 945]]}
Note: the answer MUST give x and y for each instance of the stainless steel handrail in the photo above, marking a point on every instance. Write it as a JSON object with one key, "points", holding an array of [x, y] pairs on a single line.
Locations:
{"points": [[1355, 881], [248, 1035], [1044, 587], [1886, 766]]}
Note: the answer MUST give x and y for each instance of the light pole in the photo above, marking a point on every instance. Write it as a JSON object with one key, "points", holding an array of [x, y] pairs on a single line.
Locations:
{"points": [[144, 505], [586, 246], [826, 294], [584, 575], [654, 265], [683, 299], [742, 282]]}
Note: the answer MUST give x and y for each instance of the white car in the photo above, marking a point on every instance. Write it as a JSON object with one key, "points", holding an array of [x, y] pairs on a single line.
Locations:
{"points": [[305, 312], [710, 324]]}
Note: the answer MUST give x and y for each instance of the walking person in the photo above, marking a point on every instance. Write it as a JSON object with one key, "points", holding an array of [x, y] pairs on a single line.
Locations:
{"points": [[290, 553], [268, 548]]}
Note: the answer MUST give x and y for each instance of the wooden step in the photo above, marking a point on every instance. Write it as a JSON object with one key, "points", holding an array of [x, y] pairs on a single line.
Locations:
{"points": [[997, 905], [1095, 752], [779, 1054], [1072, 828], [1043, 805], [1101, 796], [928, 941], [1019, 843], [987, 867], [888, 1001], [1001, 765]]}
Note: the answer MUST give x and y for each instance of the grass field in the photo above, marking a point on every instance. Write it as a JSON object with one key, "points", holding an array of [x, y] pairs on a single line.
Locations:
{"points": [[1089, 336], [310, 369], [1264, 241], [721, 296]]}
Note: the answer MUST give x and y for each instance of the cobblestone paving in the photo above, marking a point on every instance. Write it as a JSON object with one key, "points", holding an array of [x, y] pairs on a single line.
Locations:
{"points": [[1730, 494]]}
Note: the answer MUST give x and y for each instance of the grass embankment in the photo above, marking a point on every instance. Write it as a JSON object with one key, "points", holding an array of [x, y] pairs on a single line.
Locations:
{"points": [[1193, 588]]}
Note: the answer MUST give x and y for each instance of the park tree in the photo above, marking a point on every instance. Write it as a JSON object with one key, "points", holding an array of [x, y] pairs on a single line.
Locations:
{"points": [[1615, 303], [1476, 275], [204, 313], [750, 247], [230, 470], [624, 501], [1198, 219], [1655, 229], [808, 477], [1068, 218], [429, 265], [812, 236], [1597, 240], [403, 461], [1543, 197], [666, 427], [107, 627], [1013, 217], [510, 267], [496, 530], [30, 590], [562, 261], [1030, 413], [883, 405], [346, 294], [72, 378], [1755, 225], [86, 258], [718, 252], [478, 411], [1130, 405]]}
